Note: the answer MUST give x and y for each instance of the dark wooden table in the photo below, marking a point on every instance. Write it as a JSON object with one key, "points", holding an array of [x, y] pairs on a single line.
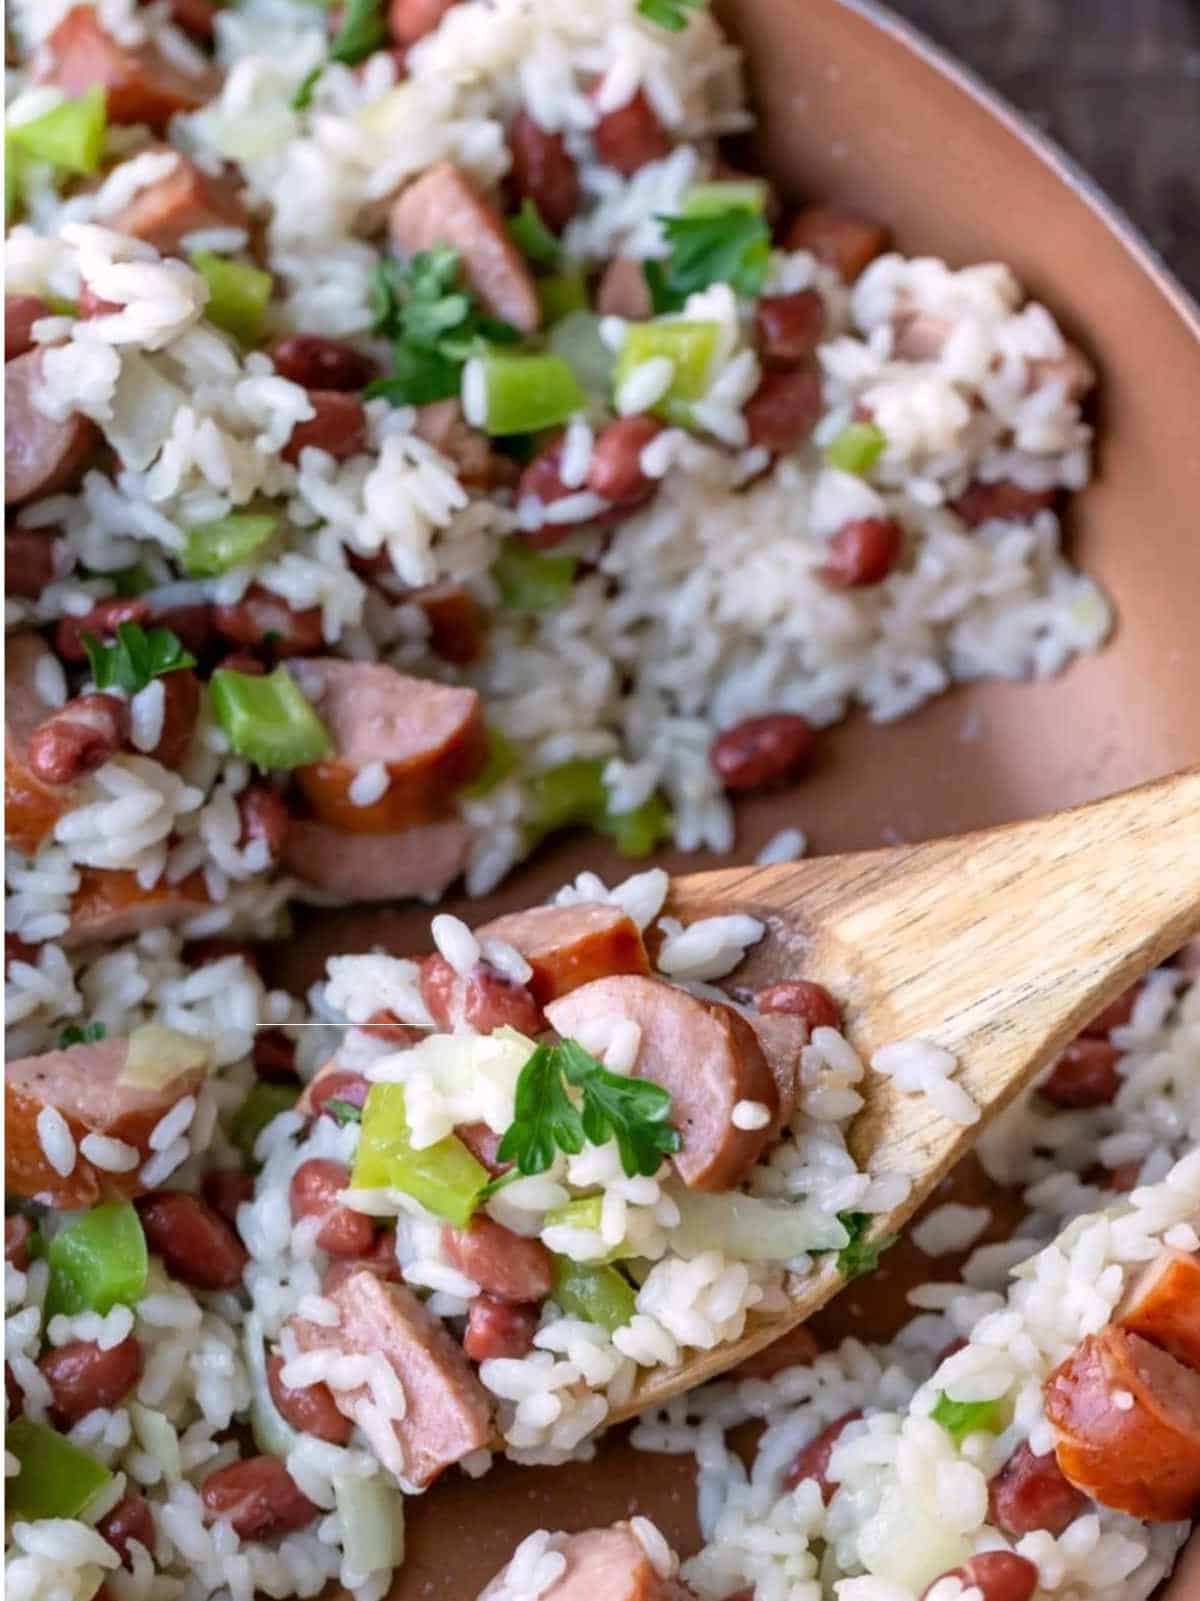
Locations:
{"points": [[1116, 82]]}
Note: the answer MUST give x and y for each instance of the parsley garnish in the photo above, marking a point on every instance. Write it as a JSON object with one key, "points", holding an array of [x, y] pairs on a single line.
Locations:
{"points": [[434, 325], [545, 1118], [860, 1256], [343, 1112], [81, 1034], [302, 98], [136, 656], [363, 31], [960, 1418], [669, 14], [532, 237], [731, 246]]}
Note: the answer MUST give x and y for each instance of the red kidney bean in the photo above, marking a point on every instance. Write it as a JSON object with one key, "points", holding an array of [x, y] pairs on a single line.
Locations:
{"points": [[789, 327], [761, 750], [541, 481], [20, 314], [261, 618], [264, 815], [981, 502], [89, 304], [863, 552], [483, 1144], [181, 709], [630, 137], [497, 1328], [385, 1025], [812, 1462], [457, 624], [801, 998], [311, 1409], [797, 1348], [485, 998], [274, 1055], [197, 17], [313, 1193], [195, 1242], [1032, 1492], [997, 1575], [543, 171], [28, 561], [1085, 1075], [381, 1261], [129, 1520], [17, 1231], [79, 738], [258, 1497], [225, 1189], [349, 1087], [1115, 1015], [192, 624], [199, 952], [315, 362], [101, 622], [410, 20], [783, 411], [509, 1266], [340, 426], [1122, 1178], [242, 661], [615, 470], [82, 1377], [843, 241]]}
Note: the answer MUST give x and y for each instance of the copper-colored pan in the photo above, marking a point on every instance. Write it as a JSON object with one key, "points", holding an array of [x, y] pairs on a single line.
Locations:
{"points": [[855, 106]]}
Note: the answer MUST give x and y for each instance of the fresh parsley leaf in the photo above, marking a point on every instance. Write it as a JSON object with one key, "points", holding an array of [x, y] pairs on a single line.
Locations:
{"points": [[363, 31], [731, 247], [532, 237], [860, 1256], [960, 1418], [343, 1112], [81, 1034], [302, 98], [545, 1119], [669, 14], [135, 657]]}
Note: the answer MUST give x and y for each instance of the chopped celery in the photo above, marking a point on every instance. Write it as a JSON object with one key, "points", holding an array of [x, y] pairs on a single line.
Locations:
{"points": [[561, 293], [237, 294], [272, 1433], [754, 1228], [960, 1418], [372, 1518], [268, 720], [213, 548], [445, 1178], [640, 831], [501, 760], [577, 340], [726, 194], [523, 394], [573, 792], [691, 346], [531, 581], [857, 448], [56, 1479], [262, 1106], [99, 1262], [596, 1293], [70, 136]]}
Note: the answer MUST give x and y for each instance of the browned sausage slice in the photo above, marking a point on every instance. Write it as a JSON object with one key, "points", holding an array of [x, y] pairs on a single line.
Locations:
{"points": [[183, 202], [378, 867], [20, 314], [1127, 1424], [447, 1415], [31, 806], [141, 84], [504, 1264], [571, 945], [704, 1053], [782, 1037], [111, 905], [1163, 1306], [89, 1086], [443, 207], [602, 1565], [41, 455]]}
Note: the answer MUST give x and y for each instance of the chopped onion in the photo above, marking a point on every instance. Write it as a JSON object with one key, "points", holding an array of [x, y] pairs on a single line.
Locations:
{"points": [[372, 1517], [752, 1229], [158, 1055]]}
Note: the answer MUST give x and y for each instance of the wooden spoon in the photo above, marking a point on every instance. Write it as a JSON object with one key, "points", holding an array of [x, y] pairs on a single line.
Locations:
{"points": [[999, 945]]}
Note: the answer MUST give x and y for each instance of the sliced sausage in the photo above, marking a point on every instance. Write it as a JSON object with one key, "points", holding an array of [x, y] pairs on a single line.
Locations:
{"points": [[997, 1575], [797, 1348], [497, 1328], [74, 741], [457, 624], [503, 1264], [130, 1519], [800, 997], [479, 1001], [762, 750], [544, 171], [84, 1084], [28, 561], [195, 1242], [140, 84], [312, 1409], [1002, 501], [111, 905], [447, 1415], [567, 946], [782, 1038], [631, 137], [704, 1053], [484, 1145], [429, 736], [1030, 1492], [842, 240], [185, 201], [83, 1376], [314, 1191], [788, 328], [263, 814], [102, 621], [41, 455], [1127, 1424], [410, 20], [812, 1462], [20, 314], [623, 291], [443, 207], [258, 1497], [1163, 1306], [339, 426], [602, 1565], [315, 362], [31, 806], [421, 861], [615, 470], [1084, 1075], [264, 618], [863, 552], [784, 409]]}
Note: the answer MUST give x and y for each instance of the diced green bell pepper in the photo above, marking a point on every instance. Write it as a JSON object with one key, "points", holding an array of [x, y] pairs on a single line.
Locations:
{"points": [[561, 293], [532, 580], [532, 237], [857, 448], [584, 1212], [594, 1292], [70, 136], [526, 393], [445, 1178], [238, 294], [960, 1418], [691, 346], [132, 580], [98, 1262], [726, 194], [268, 720], [573, 793], [213, 548], [262, 1106], [501, 760], [56, 1480], [640, 831]]}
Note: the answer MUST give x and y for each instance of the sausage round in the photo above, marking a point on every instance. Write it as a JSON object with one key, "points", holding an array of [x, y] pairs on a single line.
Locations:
{"points": [[1163, 1306], [41, 454], [567, 946]]}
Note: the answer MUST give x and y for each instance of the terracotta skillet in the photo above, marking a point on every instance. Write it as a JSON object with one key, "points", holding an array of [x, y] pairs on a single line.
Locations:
{"points": [[858, 107]]}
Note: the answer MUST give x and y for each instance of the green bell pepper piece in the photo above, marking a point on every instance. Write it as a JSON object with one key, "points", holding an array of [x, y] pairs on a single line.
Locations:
{"points": [[445, 1178], [531, 580], [691, 346], [594, 1292], [238, 294], [526, 393], [70, 136], [262, 1106], [99, 1262], [726, 194], [960, 1418], [213, 548], [268, 720], [501, 760], [56, 1479], [857, 448]]}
